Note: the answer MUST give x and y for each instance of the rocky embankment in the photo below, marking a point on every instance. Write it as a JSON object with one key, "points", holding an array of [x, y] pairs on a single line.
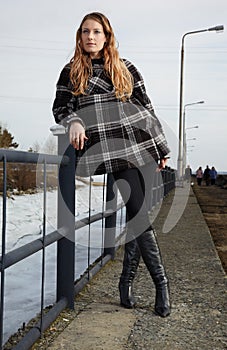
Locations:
{"points": [[213, 203]]}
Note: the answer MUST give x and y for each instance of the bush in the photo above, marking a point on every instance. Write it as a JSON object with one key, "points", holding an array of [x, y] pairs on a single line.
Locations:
{"points": [[27, 176]]}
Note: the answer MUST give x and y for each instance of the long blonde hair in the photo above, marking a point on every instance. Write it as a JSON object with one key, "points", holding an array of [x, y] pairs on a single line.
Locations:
{"points": [[114, 67]]}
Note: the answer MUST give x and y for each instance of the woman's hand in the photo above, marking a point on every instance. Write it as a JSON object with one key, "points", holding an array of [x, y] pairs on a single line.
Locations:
{"points": [[77, 135], [162, 164]]}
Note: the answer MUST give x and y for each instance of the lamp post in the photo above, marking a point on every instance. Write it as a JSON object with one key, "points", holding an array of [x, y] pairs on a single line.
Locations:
{"points": [[186, 150], [193, 127], [184, 132], [180, 153], [185, 146]]}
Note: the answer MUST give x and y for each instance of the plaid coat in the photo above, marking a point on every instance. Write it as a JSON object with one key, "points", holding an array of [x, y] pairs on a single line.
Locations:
{"points": [[120, 134]]}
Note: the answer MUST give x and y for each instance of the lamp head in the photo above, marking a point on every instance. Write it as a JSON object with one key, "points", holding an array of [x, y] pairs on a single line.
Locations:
{"points": [[216, 28]]}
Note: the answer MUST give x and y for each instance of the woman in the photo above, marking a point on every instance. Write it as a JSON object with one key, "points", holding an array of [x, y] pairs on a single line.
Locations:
{"points": [[113, 128], [213, 175], [199, 175]]}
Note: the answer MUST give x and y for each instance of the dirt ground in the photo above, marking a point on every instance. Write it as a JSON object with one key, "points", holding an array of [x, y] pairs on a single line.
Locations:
{"points": [[213, 203]]}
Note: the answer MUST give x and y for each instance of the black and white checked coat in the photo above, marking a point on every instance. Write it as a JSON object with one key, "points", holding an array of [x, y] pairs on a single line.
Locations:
{"points": [[120, 134]]}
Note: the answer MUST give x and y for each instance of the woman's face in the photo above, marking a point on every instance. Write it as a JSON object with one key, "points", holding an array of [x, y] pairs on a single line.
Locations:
{"points": [[93, 37]]}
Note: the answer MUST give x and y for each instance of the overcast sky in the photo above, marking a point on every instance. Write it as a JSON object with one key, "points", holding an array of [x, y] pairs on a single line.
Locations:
{"points": [[38, 37]]}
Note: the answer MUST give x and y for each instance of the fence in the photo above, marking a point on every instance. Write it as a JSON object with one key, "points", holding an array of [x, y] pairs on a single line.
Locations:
{"points": [[64, 235]]}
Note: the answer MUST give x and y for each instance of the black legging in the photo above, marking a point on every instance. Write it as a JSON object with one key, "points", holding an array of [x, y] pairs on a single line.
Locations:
{"points": [[136, 195]]}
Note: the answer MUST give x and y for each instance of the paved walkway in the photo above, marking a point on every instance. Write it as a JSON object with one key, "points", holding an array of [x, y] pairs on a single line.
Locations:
{"points": [[198, 295]]}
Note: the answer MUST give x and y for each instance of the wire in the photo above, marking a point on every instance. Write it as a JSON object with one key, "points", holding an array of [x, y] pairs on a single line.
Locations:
{"points": [[31, 48], [157, 107], [26, 99]]}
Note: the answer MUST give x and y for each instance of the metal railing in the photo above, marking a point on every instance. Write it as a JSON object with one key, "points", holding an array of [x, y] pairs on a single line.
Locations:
{"points": [[64, 235]]}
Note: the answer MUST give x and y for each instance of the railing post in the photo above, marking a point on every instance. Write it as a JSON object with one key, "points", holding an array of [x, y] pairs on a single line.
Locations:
{"points": [[155, 190], [110, 222], [66, 219], [173, 178], [165, 180], [3, 250], [159, 187]]}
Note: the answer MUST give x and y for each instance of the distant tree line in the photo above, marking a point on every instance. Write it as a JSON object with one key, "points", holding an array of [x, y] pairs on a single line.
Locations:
{"points": [[24, 177]]}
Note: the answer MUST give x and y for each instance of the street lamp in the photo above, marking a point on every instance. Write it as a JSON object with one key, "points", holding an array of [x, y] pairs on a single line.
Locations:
{"points": [[180, 153], [184, 132], [193, 127]]}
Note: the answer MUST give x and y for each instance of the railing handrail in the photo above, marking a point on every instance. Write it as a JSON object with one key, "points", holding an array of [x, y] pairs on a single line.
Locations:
{"points": [[14, 156], [36, 245]]}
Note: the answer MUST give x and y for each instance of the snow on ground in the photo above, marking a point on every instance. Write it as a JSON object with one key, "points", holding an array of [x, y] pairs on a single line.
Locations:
{"points": [[24, 224]]}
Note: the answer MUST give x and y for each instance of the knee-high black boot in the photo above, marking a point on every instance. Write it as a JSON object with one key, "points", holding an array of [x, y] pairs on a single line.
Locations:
{"points": [[151, 255], [130, 265]]}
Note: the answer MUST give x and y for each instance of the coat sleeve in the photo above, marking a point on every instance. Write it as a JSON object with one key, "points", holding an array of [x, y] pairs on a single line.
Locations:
{"points": [[64, 106], [139, 95]]}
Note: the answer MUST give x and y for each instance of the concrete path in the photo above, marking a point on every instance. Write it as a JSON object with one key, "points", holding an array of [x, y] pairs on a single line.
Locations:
{"points": [[198, 295]]}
